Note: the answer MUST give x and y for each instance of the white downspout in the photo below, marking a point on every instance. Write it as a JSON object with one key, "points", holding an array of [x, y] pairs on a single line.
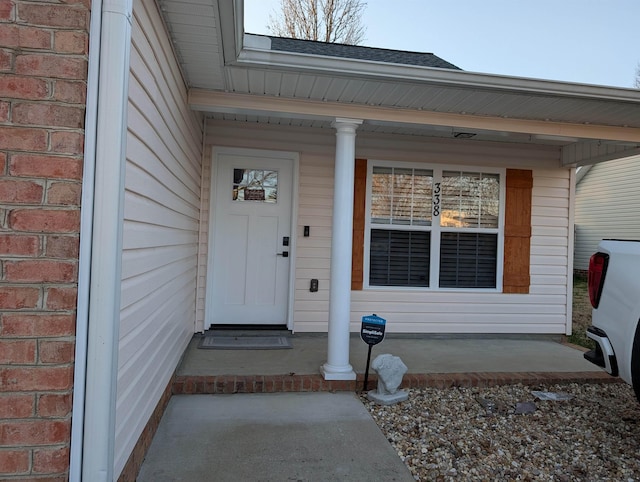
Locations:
{"points": [[571, 249], [106, 243], [86, 230]]}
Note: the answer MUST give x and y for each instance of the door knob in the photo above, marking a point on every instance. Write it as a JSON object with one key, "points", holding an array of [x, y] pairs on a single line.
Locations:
{"points": [[284, 254]]}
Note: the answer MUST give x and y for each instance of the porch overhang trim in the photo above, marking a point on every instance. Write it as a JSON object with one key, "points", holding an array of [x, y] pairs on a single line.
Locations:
{"points": [[232, 103], [250, 56], [232, 30], [586, 154]]}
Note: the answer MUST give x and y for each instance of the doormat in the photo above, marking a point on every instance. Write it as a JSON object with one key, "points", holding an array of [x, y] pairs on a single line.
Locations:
{"points": [[217, 342]]}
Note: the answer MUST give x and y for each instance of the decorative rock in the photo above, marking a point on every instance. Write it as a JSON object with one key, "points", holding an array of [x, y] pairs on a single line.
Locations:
{"points": [[524, 408], [555, 396], [593, 436], [489, 405], [390, 370]]}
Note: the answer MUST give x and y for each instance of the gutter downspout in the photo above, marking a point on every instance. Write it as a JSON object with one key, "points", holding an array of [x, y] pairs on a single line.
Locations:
{"points": [[103, 249], [571, 248], [86, 234]]}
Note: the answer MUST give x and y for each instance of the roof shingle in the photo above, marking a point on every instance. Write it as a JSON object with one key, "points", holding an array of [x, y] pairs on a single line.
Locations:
{"points": [[360, 53]]}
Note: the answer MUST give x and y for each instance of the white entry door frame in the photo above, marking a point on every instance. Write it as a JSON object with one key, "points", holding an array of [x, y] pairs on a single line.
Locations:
{"points": [[248, 219]]}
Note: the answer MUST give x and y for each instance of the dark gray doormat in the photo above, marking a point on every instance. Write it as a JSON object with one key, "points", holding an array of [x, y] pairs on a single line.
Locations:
{"points": [[221, 342]]}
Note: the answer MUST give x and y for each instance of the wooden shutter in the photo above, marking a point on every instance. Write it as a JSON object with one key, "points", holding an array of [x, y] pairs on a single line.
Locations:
{"points": [[517, 231], [359, 201]]}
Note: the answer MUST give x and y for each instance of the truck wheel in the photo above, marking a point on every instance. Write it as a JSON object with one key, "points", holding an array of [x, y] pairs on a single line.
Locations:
{"points": [[635, 362]]}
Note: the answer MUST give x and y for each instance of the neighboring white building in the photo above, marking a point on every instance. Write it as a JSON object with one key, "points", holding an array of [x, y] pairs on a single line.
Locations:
{"points": [[607, 206]]}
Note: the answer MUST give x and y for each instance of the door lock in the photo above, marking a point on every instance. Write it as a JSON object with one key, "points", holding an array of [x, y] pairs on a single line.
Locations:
{"points": [[284, 254]]}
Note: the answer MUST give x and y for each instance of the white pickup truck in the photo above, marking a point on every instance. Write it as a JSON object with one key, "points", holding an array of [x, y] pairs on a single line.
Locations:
{"points": [[614, 292]]}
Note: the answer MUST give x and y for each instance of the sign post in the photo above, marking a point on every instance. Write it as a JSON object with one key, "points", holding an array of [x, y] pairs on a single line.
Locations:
{"points": [[372, 333]]}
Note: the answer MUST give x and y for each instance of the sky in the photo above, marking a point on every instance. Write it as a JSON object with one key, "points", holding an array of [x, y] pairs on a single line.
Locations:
{"points": [[582, 41]]}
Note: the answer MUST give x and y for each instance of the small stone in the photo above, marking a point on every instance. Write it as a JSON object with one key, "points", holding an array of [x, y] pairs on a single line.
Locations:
{"points": [[488, 405], [554, 396], [525, 408]]}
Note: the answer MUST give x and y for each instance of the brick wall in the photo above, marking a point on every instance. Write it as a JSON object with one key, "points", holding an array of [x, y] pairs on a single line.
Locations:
{"points": [[43, 71]]}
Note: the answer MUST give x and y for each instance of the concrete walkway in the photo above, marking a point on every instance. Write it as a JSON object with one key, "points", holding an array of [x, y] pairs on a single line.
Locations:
{"points": [[270, 437], [321, 436]]}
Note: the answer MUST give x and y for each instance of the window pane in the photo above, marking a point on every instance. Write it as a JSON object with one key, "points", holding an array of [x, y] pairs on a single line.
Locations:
{"points": [[402, 182], [399, 258], [470, 200], [255, 185], [402, 209], [381, 192], [422, 197], [490, 205], [401, 196], [468, 260]]}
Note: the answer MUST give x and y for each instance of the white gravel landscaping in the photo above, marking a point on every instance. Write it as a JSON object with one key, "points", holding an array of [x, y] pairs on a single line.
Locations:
{"points": [[479, 433]]}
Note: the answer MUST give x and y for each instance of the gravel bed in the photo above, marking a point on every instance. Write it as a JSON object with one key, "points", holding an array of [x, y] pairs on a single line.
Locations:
{"points": [[482, 434]]}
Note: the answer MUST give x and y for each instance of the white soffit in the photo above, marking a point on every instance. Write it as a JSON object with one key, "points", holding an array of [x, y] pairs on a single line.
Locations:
{"points": [[218, 59], [194, 29]]}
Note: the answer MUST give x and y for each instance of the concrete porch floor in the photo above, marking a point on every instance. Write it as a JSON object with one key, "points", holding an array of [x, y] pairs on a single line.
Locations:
{"points": [[432, 360]]}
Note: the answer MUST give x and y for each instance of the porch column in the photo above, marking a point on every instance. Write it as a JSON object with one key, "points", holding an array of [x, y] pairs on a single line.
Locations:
{"points": [[337, 366]]}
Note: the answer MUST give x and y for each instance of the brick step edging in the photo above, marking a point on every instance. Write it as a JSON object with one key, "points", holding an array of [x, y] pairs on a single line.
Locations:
{"points": [[227, 384]]}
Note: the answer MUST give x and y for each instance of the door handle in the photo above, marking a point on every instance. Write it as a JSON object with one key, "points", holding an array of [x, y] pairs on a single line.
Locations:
{"points": [[284, 254]]}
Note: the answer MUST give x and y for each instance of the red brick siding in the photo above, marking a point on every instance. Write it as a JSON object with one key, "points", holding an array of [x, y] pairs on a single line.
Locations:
{"points": [[43, 72]]}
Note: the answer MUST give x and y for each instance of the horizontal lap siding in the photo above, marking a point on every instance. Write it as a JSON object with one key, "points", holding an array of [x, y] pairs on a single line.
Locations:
{"points": [[607, 205], [314, 253], [544, 310], [550, 232], [160, 239]]}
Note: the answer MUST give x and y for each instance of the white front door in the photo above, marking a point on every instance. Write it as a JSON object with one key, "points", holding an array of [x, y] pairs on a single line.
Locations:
{"points": [[249, 271]]}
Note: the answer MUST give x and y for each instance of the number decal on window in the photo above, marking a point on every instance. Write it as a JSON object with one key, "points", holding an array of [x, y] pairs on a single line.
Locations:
{"points": [[436, 199]]}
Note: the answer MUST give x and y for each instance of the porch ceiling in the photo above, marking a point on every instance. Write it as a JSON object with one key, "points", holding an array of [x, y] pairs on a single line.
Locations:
{"points": [[221, 64]]}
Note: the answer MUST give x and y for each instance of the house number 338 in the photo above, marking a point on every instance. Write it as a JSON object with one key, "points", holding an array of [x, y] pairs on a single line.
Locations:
{"points": [[436, 199]]}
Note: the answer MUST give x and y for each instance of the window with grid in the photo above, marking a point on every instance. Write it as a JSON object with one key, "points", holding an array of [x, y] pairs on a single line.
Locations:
{"points": [[400, 220], [468, 230], [433, 228]]}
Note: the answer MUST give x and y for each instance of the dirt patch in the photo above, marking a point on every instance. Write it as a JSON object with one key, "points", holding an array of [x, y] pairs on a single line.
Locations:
{"points": [[581, 313]]}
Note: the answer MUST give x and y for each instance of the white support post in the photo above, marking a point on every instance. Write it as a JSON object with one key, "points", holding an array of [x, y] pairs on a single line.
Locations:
{"points": [[337, 366]]}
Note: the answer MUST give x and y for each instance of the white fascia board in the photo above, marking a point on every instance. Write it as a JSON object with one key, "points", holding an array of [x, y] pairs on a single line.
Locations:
{"points": [[261, 57], [232, 103], [230, 24]]}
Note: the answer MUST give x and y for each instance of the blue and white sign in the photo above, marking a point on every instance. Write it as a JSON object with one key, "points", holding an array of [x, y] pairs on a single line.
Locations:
{"points": [[372, 331]]}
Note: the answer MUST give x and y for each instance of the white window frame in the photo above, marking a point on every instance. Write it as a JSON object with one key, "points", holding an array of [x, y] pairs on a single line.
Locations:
{"points": [[435, 228]]}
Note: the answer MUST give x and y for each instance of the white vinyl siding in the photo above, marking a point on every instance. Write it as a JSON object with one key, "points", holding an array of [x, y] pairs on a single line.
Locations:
{"points": [[607, 206], [162, 209], [544, 310]]}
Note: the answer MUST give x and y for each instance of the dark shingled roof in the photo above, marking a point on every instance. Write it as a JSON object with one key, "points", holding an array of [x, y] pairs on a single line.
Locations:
{"points": [[359, 52]]}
